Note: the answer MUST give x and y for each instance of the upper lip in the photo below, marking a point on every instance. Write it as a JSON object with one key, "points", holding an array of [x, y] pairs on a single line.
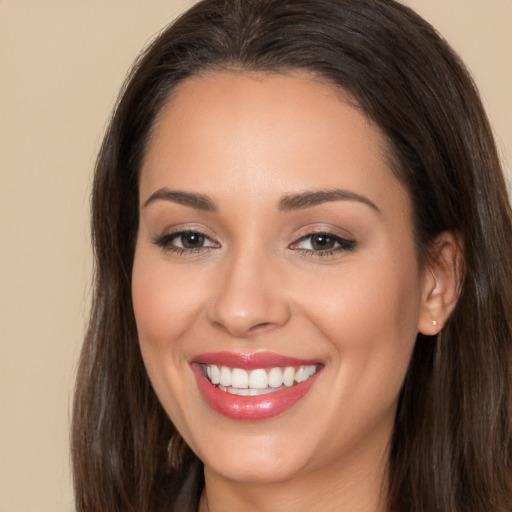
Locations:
{"points": [[250, 361]]}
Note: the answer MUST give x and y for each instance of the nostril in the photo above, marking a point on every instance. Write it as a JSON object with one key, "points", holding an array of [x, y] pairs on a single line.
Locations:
{"points": [[262, 327], [241, 330]]}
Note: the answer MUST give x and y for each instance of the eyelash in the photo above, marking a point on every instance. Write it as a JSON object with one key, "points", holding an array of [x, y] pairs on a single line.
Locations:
{"points": [[166, 242], [343, 244]]}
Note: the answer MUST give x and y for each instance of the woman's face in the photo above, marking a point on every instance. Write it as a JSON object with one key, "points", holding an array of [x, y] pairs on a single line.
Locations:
{"points": [[276, 287]]}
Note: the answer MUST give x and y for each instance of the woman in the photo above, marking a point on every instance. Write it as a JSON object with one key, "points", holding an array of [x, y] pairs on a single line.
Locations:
{"points": [[303, 245]]}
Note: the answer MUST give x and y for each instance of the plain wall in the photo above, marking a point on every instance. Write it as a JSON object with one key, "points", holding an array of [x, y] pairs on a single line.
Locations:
{"points": [[61, 64]]}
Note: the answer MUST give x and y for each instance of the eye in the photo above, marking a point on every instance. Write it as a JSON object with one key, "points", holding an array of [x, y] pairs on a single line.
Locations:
{"points": [[323, 244], [185, 241]]}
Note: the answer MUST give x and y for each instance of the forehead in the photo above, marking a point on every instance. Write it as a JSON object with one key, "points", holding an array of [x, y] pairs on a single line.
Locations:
{"points": [[254, 132]]}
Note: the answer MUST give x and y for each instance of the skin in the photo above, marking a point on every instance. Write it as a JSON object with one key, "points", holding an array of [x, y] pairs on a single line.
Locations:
{"points": [[258, 284]]}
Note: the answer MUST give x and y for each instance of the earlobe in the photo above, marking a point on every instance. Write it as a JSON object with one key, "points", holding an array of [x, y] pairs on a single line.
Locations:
{"points": [[433, 309], [441, 283]]}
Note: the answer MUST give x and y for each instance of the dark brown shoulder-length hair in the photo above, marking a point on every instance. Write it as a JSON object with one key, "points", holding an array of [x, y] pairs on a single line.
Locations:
{"points": [[452, 443]]}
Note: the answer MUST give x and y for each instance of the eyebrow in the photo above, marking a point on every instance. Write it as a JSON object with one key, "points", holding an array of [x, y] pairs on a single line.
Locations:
{"points": [[309, 199], [288, 202], [197, 201]]}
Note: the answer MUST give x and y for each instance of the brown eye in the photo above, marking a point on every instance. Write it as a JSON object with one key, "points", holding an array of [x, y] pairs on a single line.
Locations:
{"points": [[191, 240], [323, 242], [182, 242]]}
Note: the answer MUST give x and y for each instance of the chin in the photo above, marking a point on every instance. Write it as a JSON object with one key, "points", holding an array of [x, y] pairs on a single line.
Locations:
{"points": [[256, 470], [256, 459]]}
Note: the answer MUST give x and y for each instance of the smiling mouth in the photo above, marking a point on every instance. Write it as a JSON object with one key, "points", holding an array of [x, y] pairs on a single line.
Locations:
{"points": [[258, 381], [253, 387]]}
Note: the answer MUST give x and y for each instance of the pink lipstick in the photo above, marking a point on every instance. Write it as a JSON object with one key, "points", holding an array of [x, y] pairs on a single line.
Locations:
{"points": [[253, 386]]}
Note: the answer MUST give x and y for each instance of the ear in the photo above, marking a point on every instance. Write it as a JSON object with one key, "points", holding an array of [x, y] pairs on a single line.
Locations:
{"points": [[440, 283]]}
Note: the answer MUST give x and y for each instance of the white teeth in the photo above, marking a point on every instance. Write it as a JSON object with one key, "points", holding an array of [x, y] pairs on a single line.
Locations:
{"points": [[239, 378], [246, 392], [275, 378], [258, 379], [225, 376], [214, 374], [302, 374], [254, 382], [288, 376], [237, 391]]}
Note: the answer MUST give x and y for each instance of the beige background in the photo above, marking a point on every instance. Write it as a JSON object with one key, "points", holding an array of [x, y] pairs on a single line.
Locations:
{"points": [[61, 64]]}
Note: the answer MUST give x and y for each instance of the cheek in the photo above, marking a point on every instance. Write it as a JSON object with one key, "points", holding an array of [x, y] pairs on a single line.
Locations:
{"points": [[165, 306], [369, 317], [364, 299], [164, 300]]}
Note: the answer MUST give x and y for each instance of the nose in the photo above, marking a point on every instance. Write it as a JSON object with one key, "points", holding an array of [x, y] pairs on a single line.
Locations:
{"points": [[249, 297]]}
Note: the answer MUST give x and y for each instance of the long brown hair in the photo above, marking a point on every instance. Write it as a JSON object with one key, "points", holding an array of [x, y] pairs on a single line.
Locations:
{"points": [[452, 443]]}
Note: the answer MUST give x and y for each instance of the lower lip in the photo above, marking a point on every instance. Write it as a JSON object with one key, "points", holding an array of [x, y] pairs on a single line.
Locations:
{"points": [[259, 407]]}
